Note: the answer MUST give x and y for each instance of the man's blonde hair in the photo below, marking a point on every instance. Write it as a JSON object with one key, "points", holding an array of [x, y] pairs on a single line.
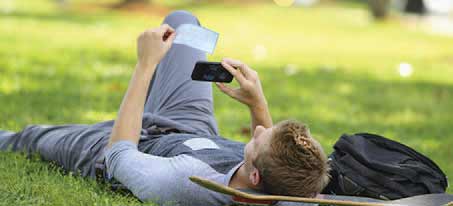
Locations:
{"points": [[294, 164]]}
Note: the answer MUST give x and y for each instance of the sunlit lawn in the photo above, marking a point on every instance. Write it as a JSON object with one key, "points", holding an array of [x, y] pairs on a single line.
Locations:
{"points": [[329, 66]]}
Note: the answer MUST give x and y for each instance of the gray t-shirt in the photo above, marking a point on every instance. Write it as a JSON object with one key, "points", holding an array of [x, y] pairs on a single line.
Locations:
{"points": [[165, 179], [162, 176]]}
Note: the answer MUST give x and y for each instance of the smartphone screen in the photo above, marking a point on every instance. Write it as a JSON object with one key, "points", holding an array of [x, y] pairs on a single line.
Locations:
{"points": [[211, 72]]}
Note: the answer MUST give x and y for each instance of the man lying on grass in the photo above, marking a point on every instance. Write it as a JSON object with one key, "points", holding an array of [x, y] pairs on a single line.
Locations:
{"points": [[155, 145]]}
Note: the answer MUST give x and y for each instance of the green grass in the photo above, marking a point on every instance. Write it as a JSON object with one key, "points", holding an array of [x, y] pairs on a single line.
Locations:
{"points": [[72, 66]]}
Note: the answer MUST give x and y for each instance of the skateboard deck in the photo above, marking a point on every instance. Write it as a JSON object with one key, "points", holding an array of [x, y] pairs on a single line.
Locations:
{"points": [[250, 197]]}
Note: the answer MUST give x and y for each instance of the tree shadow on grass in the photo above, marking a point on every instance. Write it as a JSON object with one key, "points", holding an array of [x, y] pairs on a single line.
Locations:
{"points": [[61, 16], [338, 96], [61, 99]]}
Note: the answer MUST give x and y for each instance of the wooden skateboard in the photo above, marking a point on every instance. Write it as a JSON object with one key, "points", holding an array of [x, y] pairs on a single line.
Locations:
{"points": [[250, 197]]}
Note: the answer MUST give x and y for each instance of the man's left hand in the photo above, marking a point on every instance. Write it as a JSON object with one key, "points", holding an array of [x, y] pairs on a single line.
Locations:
{"points": [[250, 91]]}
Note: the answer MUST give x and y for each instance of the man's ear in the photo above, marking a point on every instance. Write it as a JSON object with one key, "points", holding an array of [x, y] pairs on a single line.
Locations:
{"points": [[255, 177]]}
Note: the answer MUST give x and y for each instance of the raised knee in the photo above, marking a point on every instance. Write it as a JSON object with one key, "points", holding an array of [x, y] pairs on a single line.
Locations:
{"points": [[176, 18], [181, 14]]}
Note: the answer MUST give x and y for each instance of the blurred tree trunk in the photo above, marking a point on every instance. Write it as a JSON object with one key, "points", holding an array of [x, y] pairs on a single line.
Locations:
{"points": [[415, 6], [62, 4], [379, 8], [127, 3]]}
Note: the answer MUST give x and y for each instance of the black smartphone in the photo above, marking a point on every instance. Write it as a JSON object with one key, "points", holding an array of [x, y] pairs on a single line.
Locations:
{"points": [[211, 72]]}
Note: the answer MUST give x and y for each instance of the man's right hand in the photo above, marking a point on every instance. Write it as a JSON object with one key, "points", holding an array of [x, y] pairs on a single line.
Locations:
{"points": [[153, 44], [250, 91]]}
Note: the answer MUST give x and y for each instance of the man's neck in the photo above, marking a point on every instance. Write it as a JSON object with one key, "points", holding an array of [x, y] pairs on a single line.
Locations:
{"points": [[240, 179]]}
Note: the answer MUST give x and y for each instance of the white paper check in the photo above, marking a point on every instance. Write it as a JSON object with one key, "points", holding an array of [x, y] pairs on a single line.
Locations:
{"points": [[196, 37]]}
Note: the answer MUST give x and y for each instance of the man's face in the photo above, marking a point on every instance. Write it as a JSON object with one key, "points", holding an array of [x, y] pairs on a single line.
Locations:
{"points": [[257, 144]]}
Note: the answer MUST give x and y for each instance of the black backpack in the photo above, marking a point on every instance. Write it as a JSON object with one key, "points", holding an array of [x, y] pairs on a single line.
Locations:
{"points": [[372, 166]]}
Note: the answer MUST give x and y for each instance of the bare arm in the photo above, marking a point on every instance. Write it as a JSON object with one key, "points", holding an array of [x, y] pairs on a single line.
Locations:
{"points": [[151, 47], [249, 93], [260, 116]]}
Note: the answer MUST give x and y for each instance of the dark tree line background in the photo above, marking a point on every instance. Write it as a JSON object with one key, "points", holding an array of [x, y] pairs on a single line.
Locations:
{"points": [[378, 8], [135, 1]]}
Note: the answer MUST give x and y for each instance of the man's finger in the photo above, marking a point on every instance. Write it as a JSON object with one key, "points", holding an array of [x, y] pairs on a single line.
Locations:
{"points": [[225, 89], [236, 73], [231, 61], [164, 28], [238, 64]]}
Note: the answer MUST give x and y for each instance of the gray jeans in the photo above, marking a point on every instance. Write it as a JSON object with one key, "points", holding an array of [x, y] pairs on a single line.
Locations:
{"points": [[172, 92], [173, 101]]}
